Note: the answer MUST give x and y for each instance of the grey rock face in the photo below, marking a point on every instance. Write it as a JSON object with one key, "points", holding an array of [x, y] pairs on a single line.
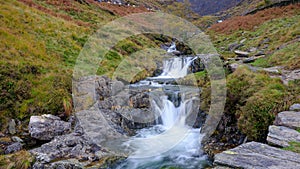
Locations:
{"points": [[99, 126], [116, 87], [295, 107], [259, 156], [281, 136], [12, 127], [140, 100], [46, 127], [65, 164], [289, 119], [66, 146], [13, 148]]}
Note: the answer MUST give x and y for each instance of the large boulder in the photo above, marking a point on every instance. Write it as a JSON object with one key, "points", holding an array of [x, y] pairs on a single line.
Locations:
{"points": [[66, 146], [289, 119], [47, 126], [258, 156], [75, 150], [282, 136], [139, 100]]}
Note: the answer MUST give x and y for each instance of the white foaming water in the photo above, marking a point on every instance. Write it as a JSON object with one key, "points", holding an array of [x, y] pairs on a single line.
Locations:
{"points": [[171, 143], [172, 48], [176, 67]]}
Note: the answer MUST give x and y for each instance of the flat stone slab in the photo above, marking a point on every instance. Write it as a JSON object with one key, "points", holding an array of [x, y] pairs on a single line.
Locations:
{"points": [[295, 107], [259, 156], [281, 136], [289, 119], [241, 53]]}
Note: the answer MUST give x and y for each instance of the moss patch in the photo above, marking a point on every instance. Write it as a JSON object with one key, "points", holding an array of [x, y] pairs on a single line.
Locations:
{"points": [[294, 146]]}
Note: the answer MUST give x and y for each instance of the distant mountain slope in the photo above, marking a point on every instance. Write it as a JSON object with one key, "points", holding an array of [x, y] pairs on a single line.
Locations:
{"points": [[208, 7]]}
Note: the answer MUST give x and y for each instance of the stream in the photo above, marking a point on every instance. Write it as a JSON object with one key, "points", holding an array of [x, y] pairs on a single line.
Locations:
{"points": [[172, 142]]}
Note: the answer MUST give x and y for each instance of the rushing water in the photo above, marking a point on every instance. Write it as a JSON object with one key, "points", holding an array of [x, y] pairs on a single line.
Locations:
{"points": [[172, 48], [172, 142], [176, 67]]}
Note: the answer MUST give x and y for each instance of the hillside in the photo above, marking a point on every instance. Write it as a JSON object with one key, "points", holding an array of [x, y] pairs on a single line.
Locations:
{"points": [[255, 94], [41, 40], [207, 7], [41, 44]]}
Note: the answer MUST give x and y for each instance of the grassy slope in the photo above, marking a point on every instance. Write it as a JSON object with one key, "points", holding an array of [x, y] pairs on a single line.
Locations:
{"points": [[40, 41], [279, 25], [254, 98], [40, 45], [37, 53]]}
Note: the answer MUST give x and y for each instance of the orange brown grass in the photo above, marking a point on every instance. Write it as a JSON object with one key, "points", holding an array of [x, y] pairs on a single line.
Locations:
{"points": [[249, 22]]}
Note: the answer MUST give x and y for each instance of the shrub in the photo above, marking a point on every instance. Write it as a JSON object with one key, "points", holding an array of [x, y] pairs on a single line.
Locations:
{"points": [[255, 99], [260, 110]]}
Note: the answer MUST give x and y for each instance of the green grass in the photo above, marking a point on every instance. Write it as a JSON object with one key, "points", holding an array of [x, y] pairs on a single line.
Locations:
{"points": [[255, 99], [37, 55], [195, 79], [279, 31], [294, 146], [38, 52], [289, 57]]}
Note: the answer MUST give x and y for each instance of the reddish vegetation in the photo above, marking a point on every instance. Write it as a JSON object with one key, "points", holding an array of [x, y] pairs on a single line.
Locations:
{"points": [[70, 5], [65, 5], [120, 10], [248, 22], [48, 11]]}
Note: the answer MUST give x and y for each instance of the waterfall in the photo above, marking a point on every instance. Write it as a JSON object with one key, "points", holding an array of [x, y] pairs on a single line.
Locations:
{"points": [[172, 48], [171, 142], [171, 115], [176, 67]]}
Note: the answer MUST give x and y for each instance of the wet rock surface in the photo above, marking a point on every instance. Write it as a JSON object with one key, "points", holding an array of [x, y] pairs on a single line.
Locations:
{"points": [[105, 115], [47, 126], [226, 136], [259, 156]]}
